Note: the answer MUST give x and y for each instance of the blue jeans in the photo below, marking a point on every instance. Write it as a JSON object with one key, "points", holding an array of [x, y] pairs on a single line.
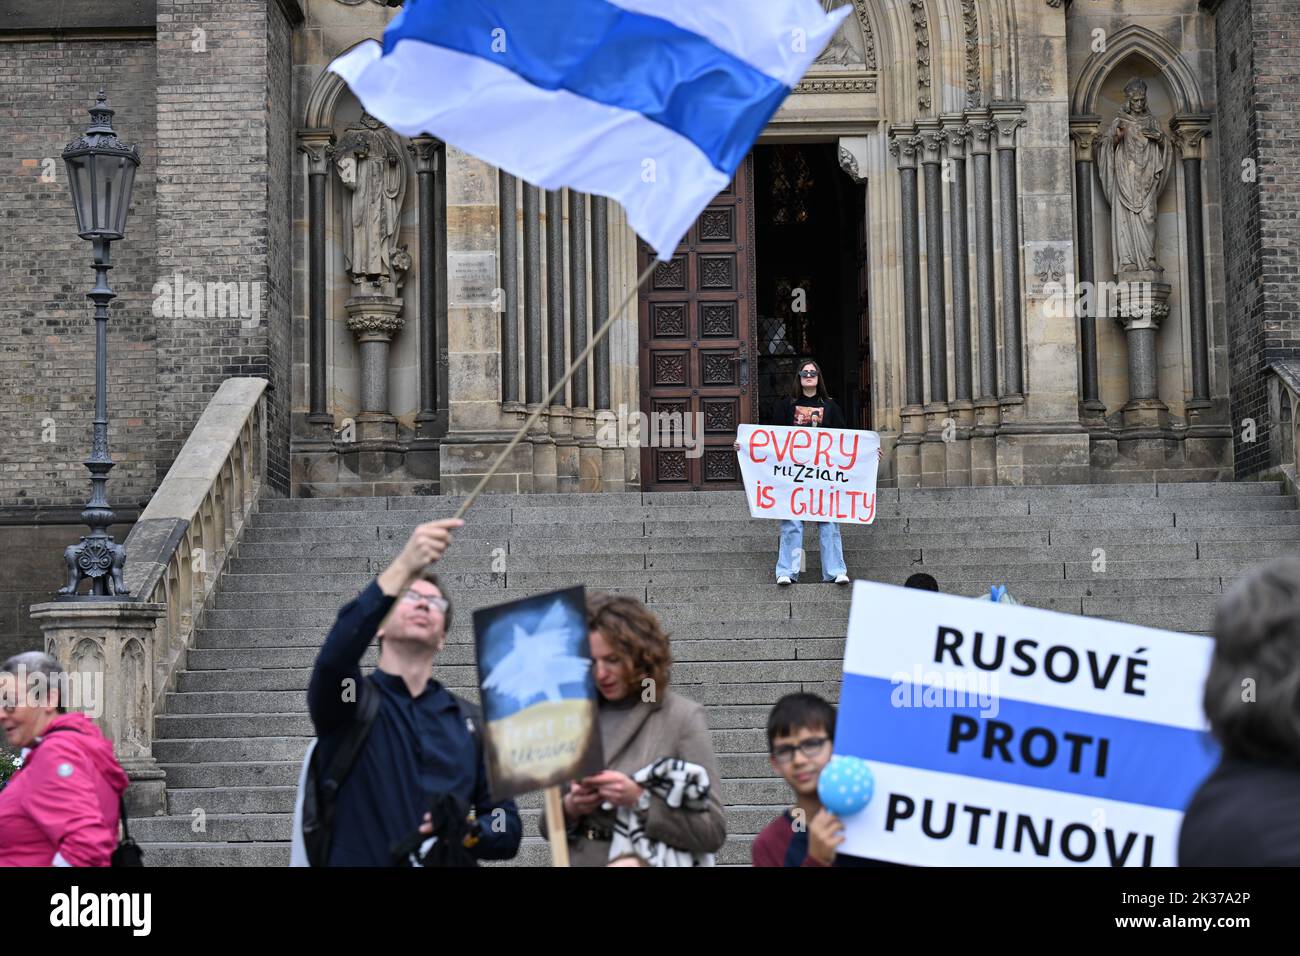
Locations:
{"points": [[792, 539]]}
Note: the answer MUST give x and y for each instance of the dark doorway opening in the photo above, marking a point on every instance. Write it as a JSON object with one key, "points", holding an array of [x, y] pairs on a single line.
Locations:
{"points": [[811, 276]]}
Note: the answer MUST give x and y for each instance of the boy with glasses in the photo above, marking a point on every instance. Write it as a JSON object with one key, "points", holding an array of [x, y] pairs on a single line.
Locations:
{"points": [[800, 736]]}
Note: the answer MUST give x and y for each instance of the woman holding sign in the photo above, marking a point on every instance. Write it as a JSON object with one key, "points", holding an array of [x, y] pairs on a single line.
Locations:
{"points": [[658, 798], [810, 407]]}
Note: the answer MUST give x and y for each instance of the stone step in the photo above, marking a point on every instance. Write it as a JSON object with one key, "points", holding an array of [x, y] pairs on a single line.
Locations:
{"points": [[452, 502], [295, 633], [465, 549], [209, 826], [455, 676], [533, 852]]}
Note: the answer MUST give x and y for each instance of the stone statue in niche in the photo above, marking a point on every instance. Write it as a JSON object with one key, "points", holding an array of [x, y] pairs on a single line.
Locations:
{"points": [[369, 164], [1134, 160], [845, 47]]}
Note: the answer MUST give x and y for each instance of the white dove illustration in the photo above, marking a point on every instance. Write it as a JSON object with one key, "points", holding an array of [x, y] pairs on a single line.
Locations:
{"points": [[539, 662]]}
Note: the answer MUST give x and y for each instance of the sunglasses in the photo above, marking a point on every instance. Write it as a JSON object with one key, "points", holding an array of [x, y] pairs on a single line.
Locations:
{"points": [[807, 374]]}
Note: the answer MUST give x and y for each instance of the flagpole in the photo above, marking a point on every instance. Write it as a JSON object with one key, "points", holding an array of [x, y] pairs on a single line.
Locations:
{"points": [[537, 413]]}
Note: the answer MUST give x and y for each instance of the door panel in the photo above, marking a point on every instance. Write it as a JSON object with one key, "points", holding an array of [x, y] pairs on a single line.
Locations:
{"points": [[696, 322]]}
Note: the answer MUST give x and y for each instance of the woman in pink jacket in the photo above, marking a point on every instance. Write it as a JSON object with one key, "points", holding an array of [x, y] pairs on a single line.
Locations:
{"points": [[62, 807]]}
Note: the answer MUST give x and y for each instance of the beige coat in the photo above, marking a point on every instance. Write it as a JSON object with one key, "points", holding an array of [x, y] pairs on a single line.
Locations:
{"points": [[676, 727]]}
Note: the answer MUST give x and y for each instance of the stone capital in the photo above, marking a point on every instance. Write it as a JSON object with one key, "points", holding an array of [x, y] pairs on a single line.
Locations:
{"points": [[1190, 131], [931, 135], [980, 124], [1084, 130], [317, 145], [904, 144], [1007, 118], [374, 318], [425, 149], [956, 132]]}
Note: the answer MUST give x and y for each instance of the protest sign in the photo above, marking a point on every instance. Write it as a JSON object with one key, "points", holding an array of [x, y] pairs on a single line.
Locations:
{"points": [[809, 474], [538, 693], [1005, 735]]}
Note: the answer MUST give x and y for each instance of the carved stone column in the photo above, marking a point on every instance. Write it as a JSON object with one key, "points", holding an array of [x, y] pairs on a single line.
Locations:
{"points": [[962, 407], [613, 462], [375, 320], [534, 354], [1007, 118], [431, 419], [904, 146], [561, 412], [933, 456], [1084, 130], [1190, 131], [316, 145], [508, 203], [988, 414]]}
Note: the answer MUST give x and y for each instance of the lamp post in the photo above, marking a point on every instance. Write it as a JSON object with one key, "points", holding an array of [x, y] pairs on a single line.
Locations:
{"points": [[101, 172]]}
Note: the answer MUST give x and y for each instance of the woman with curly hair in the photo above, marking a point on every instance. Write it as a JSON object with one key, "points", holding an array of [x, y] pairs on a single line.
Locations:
{"points": [[659, 796]]}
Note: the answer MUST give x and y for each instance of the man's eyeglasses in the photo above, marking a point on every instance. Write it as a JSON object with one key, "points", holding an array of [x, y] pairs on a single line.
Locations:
{"points": [[808, 374], [809, 748], [415, 597]]}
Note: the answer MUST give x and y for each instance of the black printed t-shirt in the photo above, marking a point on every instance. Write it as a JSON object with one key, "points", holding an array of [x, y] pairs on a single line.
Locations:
{"points": [[814, 412]]}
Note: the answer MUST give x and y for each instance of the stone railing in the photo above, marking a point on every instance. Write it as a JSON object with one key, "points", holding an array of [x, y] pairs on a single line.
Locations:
{"points": [[174, 554], [1283, 418]]}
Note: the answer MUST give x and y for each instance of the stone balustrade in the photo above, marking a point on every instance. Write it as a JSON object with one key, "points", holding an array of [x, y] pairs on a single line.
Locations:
{"points": [[175, 553]]}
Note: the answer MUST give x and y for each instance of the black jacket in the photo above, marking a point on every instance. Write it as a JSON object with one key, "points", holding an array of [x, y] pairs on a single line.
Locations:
{"points": [[815, 411], [1243, 814]]}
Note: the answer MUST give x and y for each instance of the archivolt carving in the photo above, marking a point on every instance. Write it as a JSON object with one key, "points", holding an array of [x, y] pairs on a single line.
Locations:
{"points": [[921, 28]]}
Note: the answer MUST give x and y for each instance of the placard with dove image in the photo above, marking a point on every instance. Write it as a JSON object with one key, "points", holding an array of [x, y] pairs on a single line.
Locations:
{"points": [[538, 692]]}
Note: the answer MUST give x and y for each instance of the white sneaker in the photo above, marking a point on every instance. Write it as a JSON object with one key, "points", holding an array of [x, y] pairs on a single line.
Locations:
{"points": [[841, 579], [783, 580]]}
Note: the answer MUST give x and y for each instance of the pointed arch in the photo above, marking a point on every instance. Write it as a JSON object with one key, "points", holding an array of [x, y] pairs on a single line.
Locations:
{"points": [[1155, 48]]}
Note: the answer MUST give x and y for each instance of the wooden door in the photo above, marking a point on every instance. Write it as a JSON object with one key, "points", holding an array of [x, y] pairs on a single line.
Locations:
{"points": [[697, 346]]}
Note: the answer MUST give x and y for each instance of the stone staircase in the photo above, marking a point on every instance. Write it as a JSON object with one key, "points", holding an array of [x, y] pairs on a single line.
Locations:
{"points": [[233, 734]]}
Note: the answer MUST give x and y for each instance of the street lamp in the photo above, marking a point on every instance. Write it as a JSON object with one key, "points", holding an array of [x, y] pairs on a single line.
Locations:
{"points": [[101, 171]]}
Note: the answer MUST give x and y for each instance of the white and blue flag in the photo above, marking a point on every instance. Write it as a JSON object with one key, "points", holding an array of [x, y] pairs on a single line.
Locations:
{"points": [[653, 103], [1012, 736]]}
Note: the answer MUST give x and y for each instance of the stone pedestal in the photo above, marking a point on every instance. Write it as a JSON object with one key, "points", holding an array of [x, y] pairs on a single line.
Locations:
{"points": [[1141, 303], [907, 453], [107, 649], [933, 451], [983, 442], [374, 320], [957, 443]]}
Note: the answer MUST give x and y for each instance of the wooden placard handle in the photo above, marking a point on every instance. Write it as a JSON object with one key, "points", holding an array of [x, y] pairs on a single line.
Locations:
{"points": [[556, 828]]}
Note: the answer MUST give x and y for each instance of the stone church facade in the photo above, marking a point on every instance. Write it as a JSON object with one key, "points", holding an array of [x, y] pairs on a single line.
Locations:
{"points": [[1031, 241]]}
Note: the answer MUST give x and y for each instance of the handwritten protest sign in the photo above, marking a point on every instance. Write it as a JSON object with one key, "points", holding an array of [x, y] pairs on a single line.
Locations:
{"points": [[809, 474], [539, 696], [1011, 736]]}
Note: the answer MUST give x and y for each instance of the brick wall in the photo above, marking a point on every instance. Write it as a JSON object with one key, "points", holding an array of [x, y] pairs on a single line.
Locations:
{"points": [[1258, 76], [47, 337], [219, 210]]}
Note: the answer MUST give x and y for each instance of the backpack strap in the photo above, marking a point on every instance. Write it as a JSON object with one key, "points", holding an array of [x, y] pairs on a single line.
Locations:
{"points": [[321, 791], [472, 715]]}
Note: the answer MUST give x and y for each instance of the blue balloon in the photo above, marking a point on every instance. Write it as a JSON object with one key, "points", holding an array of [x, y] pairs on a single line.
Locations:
{"points": [[846, 785]]}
